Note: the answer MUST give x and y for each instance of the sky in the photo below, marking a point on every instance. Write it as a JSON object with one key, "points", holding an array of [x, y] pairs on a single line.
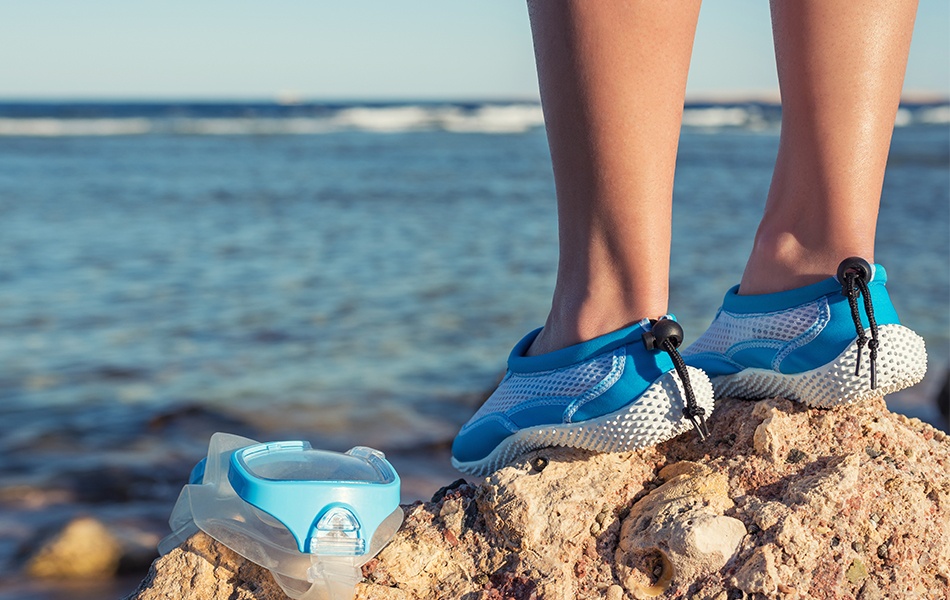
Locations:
{"points": [[358, 49]]}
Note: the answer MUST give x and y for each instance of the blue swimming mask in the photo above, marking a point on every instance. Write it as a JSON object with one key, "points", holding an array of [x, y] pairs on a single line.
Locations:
{"points": [[311, 517]]}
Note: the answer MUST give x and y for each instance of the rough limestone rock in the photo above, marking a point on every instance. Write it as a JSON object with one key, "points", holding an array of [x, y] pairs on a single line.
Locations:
{"points": [[782, 502], [678, 531], [84, 549]]}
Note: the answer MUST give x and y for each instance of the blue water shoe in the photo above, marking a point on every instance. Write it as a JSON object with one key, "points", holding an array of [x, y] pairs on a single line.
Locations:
{"points": [[618, 392], [827, 344]]}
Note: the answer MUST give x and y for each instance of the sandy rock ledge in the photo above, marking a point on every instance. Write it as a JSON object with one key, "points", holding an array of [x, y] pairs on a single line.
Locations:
{"points": [[782, 502]]}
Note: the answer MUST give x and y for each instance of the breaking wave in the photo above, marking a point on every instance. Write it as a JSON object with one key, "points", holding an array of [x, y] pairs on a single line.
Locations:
{"points": [[236, 119], [212, 120]]}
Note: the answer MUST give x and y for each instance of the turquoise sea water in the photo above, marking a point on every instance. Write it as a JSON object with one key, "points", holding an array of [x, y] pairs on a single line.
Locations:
{"points": [[356, 268], [345, 274]]}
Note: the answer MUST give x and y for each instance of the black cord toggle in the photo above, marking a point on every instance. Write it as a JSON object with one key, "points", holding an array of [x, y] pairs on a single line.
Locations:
{"points": [[667, 335], [854, 274]]}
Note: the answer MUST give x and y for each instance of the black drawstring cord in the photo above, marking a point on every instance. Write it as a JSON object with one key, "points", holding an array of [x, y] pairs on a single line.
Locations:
{"points": [[667, 335], [851, 291], [873, 343], [854, 274]]}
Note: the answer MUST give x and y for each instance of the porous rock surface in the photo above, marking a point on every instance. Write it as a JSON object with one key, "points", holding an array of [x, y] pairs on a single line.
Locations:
{"points": [[782, 502]]}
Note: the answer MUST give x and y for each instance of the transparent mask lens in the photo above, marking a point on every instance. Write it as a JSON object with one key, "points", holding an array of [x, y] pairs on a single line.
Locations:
{"points": [[337, 534], [297, 461]]}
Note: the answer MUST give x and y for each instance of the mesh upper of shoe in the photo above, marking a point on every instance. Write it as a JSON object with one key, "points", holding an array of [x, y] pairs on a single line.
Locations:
{"points": [[728, 329], [550, 387]]}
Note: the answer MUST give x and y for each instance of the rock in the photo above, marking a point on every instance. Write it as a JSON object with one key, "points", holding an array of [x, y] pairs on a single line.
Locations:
{"points": [[870, 591], [204, 568], [856, 572], [677, 533], [758, 574], [782, 502], [84, 549], [615, 592]]}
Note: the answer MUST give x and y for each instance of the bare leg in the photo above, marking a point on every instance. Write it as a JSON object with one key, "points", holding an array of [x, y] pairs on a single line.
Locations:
{"points": [[841, 68], [612, 76]]}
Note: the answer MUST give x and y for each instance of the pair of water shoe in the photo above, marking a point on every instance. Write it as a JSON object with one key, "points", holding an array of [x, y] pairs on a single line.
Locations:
{"points": [[827, 344]]}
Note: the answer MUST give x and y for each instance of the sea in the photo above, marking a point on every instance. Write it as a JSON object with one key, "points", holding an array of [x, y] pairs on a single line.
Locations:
{"points": [[343, 272]]}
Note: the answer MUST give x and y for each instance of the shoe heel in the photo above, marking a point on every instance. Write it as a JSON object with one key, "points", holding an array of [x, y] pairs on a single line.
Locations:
{"points": [[901, 363]]}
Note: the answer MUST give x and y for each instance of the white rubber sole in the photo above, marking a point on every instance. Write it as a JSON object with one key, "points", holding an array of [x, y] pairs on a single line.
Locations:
{"points": [[656, 416], [901, 362]]}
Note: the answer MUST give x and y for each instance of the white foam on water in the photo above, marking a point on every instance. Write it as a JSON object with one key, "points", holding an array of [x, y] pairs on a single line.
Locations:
{"points": [[489, 118], [903, 118], [251, 126], [513, 118], [516, 118], [938, 115], [74, 127], [389, 119], [715, 117]]}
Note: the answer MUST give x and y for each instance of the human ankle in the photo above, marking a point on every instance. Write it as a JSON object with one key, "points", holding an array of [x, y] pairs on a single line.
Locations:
{"points": [[781, 262], [581, 322]]}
